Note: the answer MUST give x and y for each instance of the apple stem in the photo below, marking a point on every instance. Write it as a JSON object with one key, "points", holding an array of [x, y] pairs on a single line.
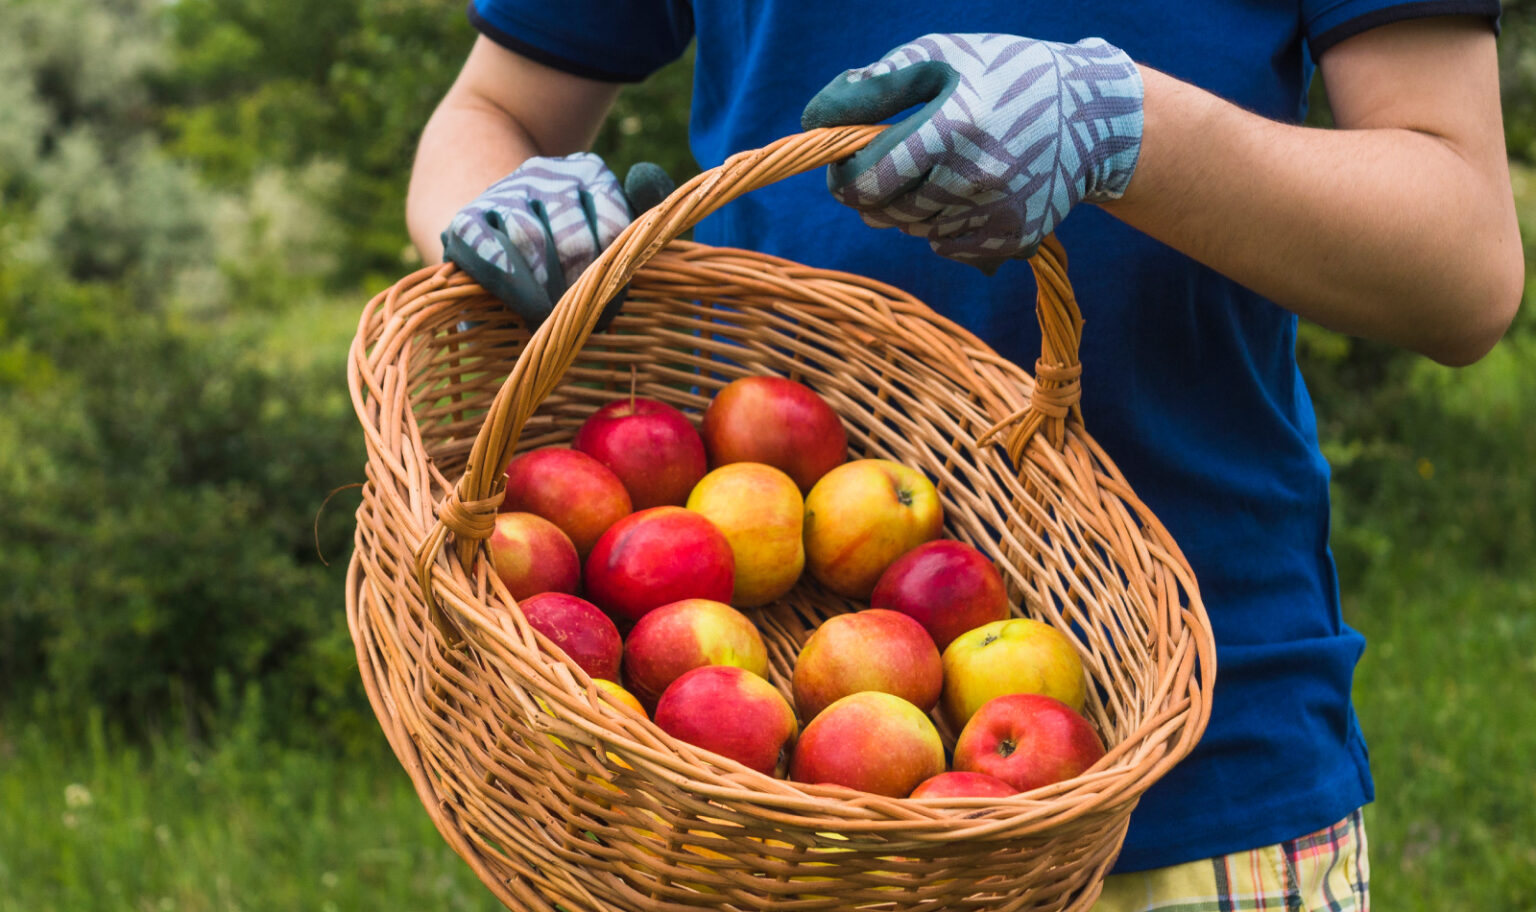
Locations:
{"points": [[633, 376]]}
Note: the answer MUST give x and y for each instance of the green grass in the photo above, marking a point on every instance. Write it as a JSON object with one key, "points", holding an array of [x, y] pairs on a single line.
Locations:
{"points": [[1444, 693], [87, 823]]}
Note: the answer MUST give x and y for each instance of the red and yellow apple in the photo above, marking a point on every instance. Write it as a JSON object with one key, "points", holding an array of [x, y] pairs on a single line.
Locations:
{"points": [[581, 631], [1028, 741], [730, 711], [778, 422], [870, 741], [685, 635], [649, 445], [760, 512], [867, 650], [531, 555], [947, 586], [1018, 655], [655, 557], [568, 488], [961, 784], [863, 515]]}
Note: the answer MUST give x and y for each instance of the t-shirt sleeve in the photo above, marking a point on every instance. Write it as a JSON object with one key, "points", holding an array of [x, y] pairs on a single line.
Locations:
{"points": [[597, 39], [1328, 22]]}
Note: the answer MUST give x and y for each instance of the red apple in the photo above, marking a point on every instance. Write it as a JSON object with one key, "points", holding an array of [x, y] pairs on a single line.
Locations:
{"points": [[870, 741], [532, 555], [649, 445], [685, 635], [947, 586], [730, 711], [863, 515], [658, 556], [777, 422], [1018, 655], [570, 489], [1028, 741], [959, 784], [581, 631], [869, 650]]}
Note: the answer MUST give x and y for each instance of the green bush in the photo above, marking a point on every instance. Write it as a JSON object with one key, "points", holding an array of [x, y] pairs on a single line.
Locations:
{"points": [[160, 472], [161, 494]]}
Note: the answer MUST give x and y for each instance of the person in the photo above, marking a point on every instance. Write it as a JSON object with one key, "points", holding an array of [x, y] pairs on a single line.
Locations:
{"points": [[1204, 219]]}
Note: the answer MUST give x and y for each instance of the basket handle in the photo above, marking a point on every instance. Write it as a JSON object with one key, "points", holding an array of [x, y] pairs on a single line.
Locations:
{"points": [[470, 511]]}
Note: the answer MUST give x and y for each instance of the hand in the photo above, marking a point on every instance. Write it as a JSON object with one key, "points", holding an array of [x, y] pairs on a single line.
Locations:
{"points": [[528, 236], [1012, 134]]}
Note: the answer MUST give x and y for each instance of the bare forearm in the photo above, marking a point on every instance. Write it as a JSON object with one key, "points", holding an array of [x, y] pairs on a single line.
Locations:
{"points": [[1389, 233], [464, 149]]}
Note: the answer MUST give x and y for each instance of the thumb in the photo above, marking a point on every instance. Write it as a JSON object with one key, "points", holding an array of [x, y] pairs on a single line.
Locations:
{"points": [[645, 185], [853, 98]]}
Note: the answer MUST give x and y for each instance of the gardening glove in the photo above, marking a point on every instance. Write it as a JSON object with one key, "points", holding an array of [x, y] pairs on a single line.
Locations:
{"points": [[1012, 133], [528, 236]]}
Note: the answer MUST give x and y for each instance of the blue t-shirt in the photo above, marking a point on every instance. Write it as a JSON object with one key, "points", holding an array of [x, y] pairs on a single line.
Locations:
{"points": [[1189, 380]]}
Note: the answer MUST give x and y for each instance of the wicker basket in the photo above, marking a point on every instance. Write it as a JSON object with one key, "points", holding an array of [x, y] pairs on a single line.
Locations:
{"points": [[557, 799]]}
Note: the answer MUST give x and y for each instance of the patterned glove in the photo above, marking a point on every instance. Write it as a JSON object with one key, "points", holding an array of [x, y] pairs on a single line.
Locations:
{"points": [[532, 232], [1013, 132]]}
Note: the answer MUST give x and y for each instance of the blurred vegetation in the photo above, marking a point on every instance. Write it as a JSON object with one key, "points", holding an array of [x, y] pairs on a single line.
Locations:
{"points": [[195, 199]]}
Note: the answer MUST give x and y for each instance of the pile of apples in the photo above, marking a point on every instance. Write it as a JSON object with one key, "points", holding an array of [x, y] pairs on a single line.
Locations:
{"points": [[650, 526]]}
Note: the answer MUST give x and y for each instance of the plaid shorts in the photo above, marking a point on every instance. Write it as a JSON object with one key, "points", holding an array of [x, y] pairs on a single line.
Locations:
{"points": [[1325, 871]]}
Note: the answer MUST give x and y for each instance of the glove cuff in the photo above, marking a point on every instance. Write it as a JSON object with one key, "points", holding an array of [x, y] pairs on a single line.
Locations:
{"points": [[1109, 90]]}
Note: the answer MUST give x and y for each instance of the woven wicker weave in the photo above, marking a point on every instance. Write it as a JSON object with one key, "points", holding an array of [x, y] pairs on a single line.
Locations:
{"points": [[558, 800]]}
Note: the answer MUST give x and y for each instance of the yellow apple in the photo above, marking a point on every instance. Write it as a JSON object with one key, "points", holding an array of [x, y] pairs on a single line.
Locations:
{"points": [[620, 697], [1015, 656], [861, 516], [760, 511]]}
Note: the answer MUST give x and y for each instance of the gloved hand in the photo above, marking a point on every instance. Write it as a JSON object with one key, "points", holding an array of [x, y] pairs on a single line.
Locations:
{"points": [[1012, 134], [530, 234]]}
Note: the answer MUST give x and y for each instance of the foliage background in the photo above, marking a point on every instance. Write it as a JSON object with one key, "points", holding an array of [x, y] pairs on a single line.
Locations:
{"points": [[195, 199]]}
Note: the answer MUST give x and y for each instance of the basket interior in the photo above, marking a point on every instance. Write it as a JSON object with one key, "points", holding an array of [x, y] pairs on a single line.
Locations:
{"points": [[679, 340]]}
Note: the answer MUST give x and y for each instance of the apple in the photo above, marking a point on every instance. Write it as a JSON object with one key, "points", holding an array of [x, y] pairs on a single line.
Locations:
{"points": [[861, 516], [777, 422], [947, 586], [960, 784], [532, 555], [685, 635], [649, 445], [760, 512], [568, 488], [1018, 655], [730, 711], [581, 631], [655, 557], [1027, 740], [870, 741], [621, 698], [867, 650]]}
